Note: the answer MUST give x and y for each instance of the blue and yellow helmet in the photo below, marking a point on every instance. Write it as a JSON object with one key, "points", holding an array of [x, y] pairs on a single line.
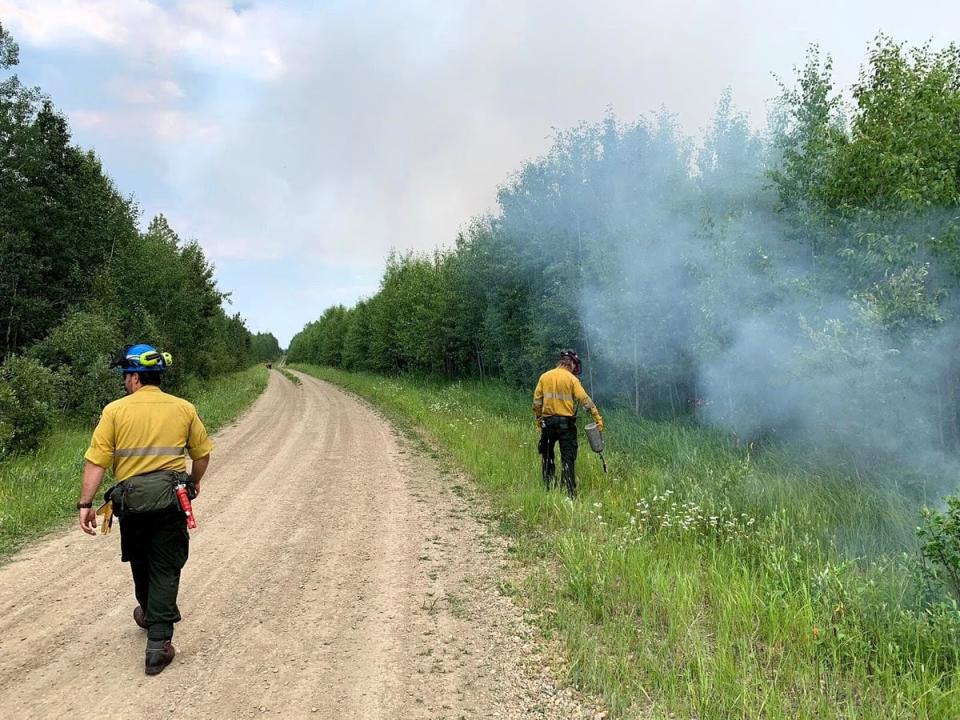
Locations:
{"points": [[142, 358]]}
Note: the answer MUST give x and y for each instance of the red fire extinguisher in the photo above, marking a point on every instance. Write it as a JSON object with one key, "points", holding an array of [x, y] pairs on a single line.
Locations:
{"points": [[183, 498]]}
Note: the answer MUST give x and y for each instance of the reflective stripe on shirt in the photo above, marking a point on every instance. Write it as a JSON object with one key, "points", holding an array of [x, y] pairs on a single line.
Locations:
{"points": [[149, 451]]}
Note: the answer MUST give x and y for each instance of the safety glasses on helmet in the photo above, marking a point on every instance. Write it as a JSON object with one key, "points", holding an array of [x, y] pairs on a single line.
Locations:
{"points": [[149, 359]]}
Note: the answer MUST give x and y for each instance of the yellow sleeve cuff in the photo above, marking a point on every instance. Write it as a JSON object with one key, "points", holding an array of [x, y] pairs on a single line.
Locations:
{"points": [[198, 452], [98, 457]]}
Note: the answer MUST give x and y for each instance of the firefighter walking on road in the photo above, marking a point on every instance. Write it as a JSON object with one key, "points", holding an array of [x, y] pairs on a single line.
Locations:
{"points": [[143, 437], [558, 395]]}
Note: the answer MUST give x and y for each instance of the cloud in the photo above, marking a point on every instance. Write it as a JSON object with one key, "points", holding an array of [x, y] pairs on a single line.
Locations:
{"points": [[137, 123], [145, 91], [207, 33]]}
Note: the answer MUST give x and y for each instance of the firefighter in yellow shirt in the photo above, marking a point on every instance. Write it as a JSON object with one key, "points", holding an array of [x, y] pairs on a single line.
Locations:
{"points": [[555, 401], [143, 438]]}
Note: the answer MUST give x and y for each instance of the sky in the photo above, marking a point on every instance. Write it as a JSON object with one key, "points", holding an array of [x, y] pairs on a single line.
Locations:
{"points": [[298, 142]]}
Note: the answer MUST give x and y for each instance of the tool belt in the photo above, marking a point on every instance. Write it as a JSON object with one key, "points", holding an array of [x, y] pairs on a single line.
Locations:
{"points": [[147, 493], [558, 421]]}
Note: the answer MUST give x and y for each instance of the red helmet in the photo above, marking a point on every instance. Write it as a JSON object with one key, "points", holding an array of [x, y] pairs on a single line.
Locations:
{"points": [[572, 357]]}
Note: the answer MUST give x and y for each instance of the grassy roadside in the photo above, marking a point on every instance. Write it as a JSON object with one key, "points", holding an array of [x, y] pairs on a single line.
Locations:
{"points": [[289, 376], [696, 580], [38, 491]]}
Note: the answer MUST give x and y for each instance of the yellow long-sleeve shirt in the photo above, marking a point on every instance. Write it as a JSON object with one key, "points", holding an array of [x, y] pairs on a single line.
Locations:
{"points": [[560, 392]]}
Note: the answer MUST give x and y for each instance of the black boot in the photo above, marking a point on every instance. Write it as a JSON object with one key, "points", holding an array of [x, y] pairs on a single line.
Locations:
{"points": [[139, 617], [569, 481], [549, 478], [547, 468], [159, 654]]}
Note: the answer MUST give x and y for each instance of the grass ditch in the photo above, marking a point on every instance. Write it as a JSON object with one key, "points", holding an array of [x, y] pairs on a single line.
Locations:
{"points": [[38, 491], [699, 579], [290, 376]]}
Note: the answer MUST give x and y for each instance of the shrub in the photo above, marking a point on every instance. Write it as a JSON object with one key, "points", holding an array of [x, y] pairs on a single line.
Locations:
{"points": [[78, 351], [27, 403], [7, 400], [940, 545]]}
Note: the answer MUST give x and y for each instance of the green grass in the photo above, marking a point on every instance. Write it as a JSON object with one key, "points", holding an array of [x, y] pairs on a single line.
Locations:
{"points": [[38, 491], [702, 580], [289, 376]]}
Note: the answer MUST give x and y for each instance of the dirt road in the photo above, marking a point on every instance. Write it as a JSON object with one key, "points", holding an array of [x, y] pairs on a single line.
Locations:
{"points": [[337, 573]]}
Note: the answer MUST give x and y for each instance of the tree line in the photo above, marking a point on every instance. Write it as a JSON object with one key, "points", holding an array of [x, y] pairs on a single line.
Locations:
{"points": [[78, 279], [799, 281]]}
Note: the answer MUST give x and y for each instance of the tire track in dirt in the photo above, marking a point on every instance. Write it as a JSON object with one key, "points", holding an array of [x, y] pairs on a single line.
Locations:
{"points": [[335, 574]]}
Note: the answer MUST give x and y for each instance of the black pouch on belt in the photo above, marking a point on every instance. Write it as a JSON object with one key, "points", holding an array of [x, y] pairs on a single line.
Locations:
{"points": [[114, 495], [558, 421], [151, 492]]}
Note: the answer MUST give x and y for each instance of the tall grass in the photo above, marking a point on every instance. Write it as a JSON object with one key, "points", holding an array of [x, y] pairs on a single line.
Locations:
{"points": [[39, 490], [702, 580]]}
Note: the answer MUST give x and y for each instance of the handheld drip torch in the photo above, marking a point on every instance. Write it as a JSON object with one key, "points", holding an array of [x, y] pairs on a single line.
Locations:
{"points": [[595, 437], [183, 497]]}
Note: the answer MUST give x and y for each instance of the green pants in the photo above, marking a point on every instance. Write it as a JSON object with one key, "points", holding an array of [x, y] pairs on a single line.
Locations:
{"points": [[156, 545]]}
